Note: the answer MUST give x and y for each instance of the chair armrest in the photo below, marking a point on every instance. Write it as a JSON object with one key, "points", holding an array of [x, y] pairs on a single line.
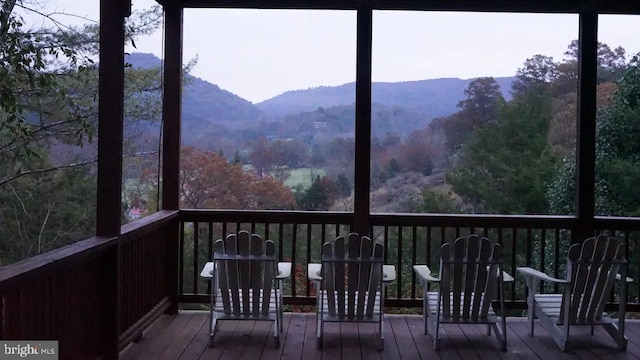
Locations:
{"points": [[533, 273], [424, 273], [388, 273], [207, 271], [284, 270], [619, 277], [314, 272], [506, 277]]}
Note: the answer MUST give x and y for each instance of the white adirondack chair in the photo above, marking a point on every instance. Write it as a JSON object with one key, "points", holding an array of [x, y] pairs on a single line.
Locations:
{"points": [[471, 276], [246, 282], [350, 287], [592, 269]]}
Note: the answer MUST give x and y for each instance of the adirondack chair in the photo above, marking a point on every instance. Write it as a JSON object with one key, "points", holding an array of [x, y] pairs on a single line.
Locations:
{"points": [[471, 276], [592, 268], [245, 282], [350, 283]]}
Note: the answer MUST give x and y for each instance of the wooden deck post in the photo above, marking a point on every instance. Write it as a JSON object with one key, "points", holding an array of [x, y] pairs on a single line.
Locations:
{"points": [[362, 182], [171, 119], [109, 186], [586, 125]]}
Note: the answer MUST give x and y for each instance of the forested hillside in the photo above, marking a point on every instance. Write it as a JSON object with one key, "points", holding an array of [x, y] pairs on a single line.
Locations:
{"points": [[206, 109], [434, 97]]}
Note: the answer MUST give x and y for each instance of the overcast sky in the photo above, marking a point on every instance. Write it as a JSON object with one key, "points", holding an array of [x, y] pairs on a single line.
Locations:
{"points": [[259, 54]]}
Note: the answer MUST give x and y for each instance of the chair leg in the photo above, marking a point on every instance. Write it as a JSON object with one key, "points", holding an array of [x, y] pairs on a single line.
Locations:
{"points": [[276, 333], [212, 331], [425, 310], [617, 334], [381, 334], [320, 336], [530, 304], [436, 337], [622, 340], [319, 323], [281, 306]]}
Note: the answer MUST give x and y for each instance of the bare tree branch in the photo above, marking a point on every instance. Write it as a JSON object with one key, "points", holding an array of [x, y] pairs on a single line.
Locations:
{"points": [[44, 224], [24, 209], [64, 166]]}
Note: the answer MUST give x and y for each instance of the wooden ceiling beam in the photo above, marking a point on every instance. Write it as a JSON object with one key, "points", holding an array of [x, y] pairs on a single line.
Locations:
{"points": [[535, 6]]}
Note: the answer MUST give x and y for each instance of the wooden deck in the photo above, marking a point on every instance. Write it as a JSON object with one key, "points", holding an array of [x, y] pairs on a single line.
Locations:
{"points": [[185, 336]]}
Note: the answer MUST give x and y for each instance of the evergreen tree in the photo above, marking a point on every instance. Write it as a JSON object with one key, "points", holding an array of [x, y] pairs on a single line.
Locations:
{"points": [[317, 197]]}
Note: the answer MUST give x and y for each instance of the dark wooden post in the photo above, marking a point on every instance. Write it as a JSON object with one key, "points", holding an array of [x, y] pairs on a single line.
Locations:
{"points": [[108, 212], [586, 124], [362, 182], [171, 110]]}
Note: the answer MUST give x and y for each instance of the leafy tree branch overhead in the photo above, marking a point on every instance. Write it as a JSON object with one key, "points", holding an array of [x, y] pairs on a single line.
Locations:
{"points": [[48, 124], [48, 85]]}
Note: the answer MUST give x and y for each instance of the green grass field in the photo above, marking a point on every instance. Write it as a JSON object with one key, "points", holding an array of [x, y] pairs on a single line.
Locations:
{"points": [[304, 176]]}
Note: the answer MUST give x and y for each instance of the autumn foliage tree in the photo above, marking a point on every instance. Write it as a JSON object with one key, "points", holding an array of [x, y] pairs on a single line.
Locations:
{"points": [[207, 180]]}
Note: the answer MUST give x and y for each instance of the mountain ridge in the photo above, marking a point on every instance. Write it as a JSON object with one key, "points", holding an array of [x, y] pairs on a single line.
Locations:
{"points": [[436, 97], [212, 116]]}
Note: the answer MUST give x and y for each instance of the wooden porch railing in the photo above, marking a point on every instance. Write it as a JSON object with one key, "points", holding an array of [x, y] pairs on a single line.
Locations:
{"points": [[537, 241], [70, 294]]}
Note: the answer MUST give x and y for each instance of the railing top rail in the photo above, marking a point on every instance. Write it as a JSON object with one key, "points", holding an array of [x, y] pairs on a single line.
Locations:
{"points": [[45, 263], [617, 222], [266, 216], [147, 224], [76, 252], [474, 220]]}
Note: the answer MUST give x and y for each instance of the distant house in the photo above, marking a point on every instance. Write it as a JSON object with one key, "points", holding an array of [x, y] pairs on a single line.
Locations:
{"points": [[319, 124]]}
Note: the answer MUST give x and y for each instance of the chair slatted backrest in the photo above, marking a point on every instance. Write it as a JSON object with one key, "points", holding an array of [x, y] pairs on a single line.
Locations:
{"points": [[243, 282], [592, 268], [352, 272], [466, 287]]}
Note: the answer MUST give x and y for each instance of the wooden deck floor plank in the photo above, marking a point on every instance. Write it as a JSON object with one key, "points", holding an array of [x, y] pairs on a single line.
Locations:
{"points": [[390, 342], [368, 341], [182, 339], [185, 336], [223, 339], [292, 348], [464, 346], [136, 349], [309, 349], [273, 353], [481, 330], [404, 340], [350, 341], [162, 341], [486, 346], [602, 346], [261, 337], [518, 343], [542, 343], [238, 341], [422, 341], [331, 344], [447, 348], [198, 344]]}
